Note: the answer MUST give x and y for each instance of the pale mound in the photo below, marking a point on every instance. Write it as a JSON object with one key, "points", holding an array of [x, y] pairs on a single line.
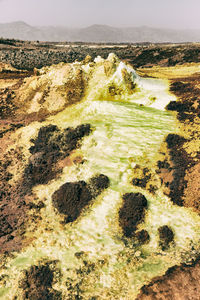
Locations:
{"points": [[53, 88]]}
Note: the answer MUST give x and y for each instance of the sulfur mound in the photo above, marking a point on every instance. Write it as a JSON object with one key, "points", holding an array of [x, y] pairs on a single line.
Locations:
{"points": [[132, 212]]}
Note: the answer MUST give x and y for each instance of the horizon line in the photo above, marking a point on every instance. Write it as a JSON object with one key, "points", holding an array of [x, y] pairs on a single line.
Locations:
{"points": [[99, 24]]}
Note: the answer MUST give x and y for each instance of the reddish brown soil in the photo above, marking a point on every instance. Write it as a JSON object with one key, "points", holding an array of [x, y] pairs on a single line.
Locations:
{"points": [[12, 206], [12, 219], [191, 196], [7, 105], [179, 283]]}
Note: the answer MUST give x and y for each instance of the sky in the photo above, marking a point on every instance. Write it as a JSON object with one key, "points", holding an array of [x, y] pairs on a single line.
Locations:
{"points": [[178, 14]]}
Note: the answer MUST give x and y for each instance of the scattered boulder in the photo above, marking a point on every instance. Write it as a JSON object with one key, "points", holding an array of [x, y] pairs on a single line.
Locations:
{"points": [[143, 236], [174, 140], [37, 284], [141, 176], [97, 184], [72, 197], [166, 236], [132, 212], [42, 54]]}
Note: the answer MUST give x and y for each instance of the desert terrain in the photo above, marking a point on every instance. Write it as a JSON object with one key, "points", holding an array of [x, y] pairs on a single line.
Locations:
{"points": [[100, 163]]}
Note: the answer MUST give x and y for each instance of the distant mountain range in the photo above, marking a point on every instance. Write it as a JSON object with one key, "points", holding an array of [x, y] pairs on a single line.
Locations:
{"points": [[97, 33]]}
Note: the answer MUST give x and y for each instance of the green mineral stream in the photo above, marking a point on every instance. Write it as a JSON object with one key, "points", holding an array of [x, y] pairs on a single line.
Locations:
{"points": [[125, 133]]}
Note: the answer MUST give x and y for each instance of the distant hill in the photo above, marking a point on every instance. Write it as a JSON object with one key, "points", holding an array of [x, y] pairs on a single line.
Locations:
{"points": [[97, 33]]}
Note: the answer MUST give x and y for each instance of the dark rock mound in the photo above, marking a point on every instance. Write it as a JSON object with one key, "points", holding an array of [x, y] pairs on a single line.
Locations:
{"points": [[180, 87], [37, 284], [143, 179], [51, 145], [178, 106], [187, 92], [140, 182], [72, 197], [143, 236], [98, 183], [166, 236], [174, 140], [173, 169], [132, 212], [181, 162]]}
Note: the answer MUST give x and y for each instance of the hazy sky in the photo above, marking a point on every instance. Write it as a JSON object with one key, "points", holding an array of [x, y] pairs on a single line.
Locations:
{"points": [[81, 13]]}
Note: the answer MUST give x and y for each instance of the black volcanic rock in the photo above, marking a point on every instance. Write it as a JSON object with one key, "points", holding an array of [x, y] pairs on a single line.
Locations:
{"points": [[51, 145], [132, 212], [72, 197]]}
